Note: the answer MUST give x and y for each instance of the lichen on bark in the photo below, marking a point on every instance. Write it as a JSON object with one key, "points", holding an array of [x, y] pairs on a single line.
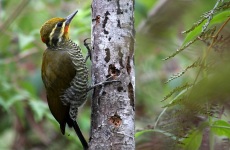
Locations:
{"points": [[112, 125]]}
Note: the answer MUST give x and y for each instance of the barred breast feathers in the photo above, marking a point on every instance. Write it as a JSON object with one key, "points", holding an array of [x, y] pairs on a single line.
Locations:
{"points": [[76, 94]]}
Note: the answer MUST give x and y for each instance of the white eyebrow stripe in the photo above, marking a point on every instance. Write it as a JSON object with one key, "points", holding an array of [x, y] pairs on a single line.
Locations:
{"points": [[62, 32], [51, 34], [60, 35]]}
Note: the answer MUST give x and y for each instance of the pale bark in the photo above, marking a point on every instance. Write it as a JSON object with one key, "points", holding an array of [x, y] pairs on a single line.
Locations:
{"points": [[112, 125]]}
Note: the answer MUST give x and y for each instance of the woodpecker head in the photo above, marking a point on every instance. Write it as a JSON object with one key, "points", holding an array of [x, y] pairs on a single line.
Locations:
{"points": [[56, 30]]}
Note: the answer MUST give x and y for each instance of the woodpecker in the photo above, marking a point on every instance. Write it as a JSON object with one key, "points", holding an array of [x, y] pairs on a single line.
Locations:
{"points": [[64, 73]]}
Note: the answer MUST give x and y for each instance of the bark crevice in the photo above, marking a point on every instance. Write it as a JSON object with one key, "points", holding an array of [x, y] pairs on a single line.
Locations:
{"points": [[112, 124]]}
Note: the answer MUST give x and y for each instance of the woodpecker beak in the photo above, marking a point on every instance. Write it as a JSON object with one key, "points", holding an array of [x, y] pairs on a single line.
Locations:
{"points": [[70, 17]]}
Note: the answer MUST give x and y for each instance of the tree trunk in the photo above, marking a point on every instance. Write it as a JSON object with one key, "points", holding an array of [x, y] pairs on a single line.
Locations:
{"points": [[112, 125]]}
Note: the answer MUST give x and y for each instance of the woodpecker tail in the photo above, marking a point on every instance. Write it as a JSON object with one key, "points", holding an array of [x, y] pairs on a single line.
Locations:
{"points": [[80, 136]]}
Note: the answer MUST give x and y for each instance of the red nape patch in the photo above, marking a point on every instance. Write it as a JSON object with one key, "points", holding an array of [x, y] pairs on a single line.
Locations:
{"points": [[43, 40], [66, 29]]}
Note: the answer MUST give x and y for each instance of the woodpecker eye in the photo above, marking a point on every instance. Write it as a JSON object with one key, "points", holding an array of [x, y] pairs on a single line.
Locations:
{"points": [[59, 24]]}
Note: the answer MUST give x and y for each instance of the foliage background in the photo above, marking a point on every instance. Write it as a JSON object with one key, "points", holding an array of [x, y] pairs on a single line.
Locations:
{"points": [[26, 122]]}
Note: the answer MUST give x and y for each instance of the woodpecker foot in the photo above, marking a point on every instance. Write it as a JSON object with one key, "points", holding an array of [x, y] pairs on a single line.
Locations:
{"points": [[86, 44], [99, 84], [102, 84]]}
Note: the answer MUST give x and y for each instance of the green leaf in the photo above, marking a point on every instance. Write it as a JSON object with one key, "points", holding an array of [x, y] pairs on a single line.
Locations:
{"points": [[28, 87], [219, 18], [15, 98], [3, 104], [193, 141], [40, 109], [139, 133], [25, 41], [221, 128]]}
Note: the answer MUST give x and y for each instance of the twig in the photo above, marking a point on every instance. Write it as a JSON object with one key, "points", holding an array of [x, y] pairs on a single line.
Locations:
{"points": [[19, 57], [209, 48], [13, 16]]}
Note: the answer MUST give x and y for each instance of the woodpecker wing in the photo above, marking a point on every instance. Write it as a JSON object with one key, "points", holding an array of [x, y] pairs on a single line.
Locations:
{"points": [[57, 73]]}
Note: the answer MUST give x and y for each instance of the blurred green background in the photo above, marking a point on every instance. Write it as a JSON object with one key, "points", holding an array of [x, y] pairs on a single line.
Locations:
{"points": [[26, 122]]}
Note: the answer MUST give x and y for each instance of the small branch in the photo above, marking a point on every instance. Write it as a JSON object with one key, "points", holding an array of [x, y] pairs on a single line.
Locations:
{"points": [[209, 48], [13, 16], [19, 56]]}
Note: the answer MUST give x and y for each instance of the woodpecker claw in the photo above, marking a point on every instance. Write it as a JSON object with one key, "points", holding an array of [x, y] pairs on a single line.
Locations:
{"points": [[86, 40], [88, 48], [101, 84]]}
